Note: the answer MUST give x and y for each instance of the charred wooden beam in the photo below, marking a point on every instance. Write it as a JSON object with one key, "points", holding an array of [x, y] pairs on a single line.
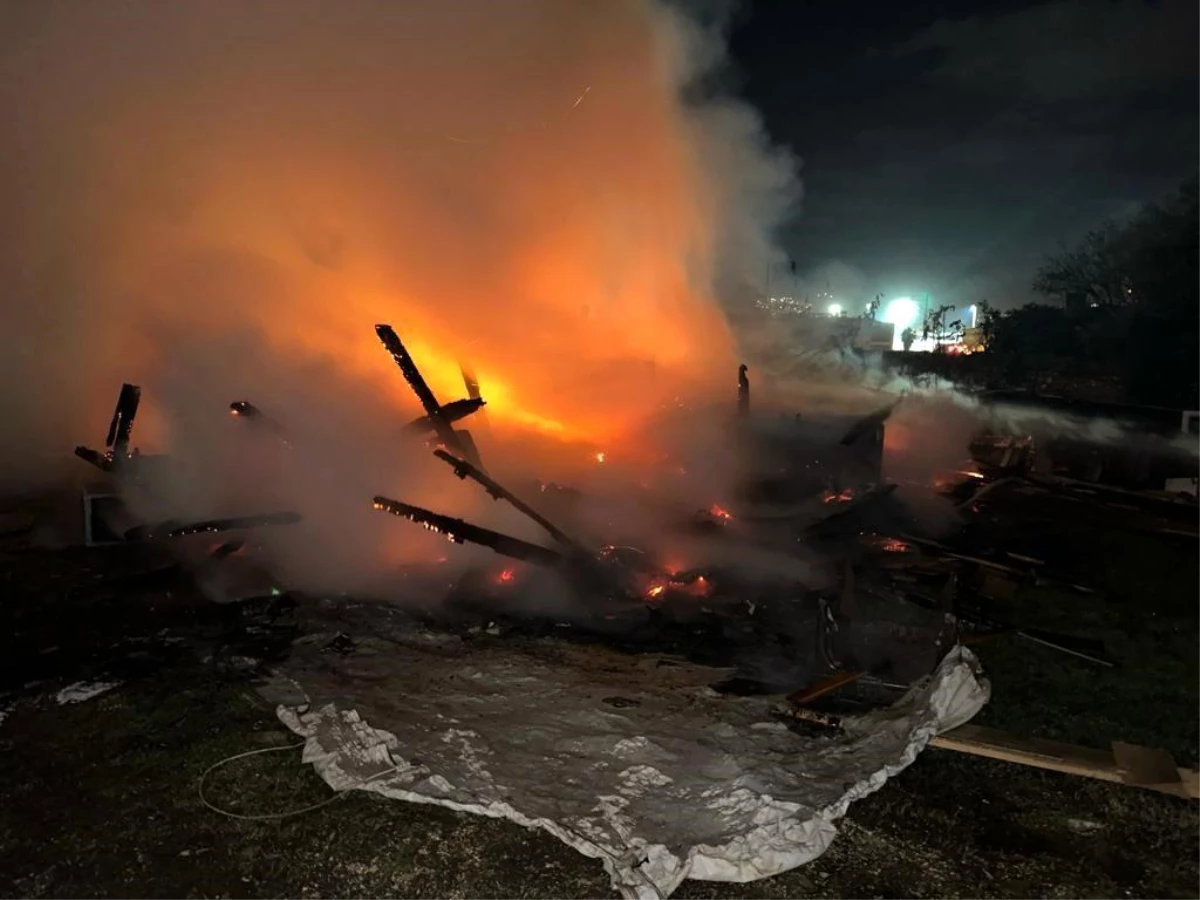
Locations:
{"points": [[464, 469], [461, 532], [120, 430], [451, 412], [440, 423], [121, 427], [100, 460], [174, 529], [247, 411]]}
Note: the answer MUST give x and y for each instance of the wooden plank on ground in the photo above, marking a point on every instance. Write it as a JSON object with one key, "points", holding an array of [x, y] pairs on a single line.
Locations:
{"points": [[1069, 758], [823, 687]]}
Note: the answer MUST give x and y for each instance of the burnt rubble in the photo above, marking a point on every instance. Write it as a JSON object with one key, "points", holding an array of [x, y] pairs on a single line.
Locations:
{"points": [[892, 601], [131, 471], [874, 627]]}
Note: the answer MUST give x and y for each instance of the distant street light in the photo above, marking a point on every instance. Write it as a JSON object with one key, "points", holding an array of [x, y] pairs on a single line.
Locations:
{"points": [[902, 313], [835, 309]]}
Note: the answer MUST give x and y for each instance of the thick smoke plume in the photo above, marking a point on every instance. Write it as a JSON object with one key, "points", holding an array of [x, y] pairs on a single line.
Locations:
{"points": [[219, 200]]}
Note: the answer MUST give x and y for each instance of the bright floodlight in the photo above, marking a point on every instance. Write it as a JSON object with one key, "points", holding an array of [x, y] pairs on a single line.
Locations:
{"points": [[902, 312], [835, 309]]}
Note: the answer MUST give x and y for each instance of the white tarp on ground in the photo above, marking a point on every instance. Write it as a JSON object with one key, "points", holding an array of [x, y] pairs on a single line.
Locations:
{"points": [[632, 760]]}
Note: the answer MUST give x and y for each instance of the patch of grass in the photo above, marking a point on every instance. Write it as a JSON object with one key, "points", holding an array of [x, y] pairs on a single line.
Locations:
{"points": [[1145, 612], [101, 800]]}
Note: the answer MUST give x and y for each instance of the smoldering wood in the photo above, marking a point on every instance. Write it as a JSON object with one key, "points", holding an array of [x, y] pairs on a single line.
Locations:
{"points": [[435, 413], [464, 469], [460, 532], [451, 412], [247, 411], [175, 529], [120, 431]]}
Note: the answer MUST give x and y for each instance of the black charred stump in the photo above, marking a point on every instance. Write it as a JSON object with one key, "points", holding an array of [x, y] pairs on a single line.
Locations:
{"points": [[743, 406]]}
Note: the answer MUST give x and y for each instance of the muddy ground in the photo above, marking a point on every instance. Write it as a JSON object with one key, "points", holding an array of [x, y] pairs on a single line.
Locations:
{"points": [[99, 798]]}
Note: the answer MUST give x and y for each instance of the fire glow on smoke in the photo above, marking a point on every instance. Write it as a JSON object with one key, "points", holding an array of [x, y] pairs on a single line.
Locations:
{"points": [[523, 191]]}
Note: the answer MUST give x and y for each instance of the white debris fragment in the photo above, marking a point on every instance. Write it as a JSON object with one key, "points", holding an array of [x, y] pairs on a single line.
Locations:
{"points": [[82, 691]]}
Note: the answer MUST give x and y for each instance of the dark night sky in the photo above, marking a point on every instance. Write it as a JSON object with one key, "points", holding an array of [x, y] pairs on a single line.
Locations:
{"points": [[949, 146]]}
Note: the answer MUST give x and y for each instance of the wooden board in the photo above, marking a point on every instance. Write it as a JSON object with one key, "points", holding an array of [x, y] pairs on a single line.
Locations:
{"points": [[1071, 759]]}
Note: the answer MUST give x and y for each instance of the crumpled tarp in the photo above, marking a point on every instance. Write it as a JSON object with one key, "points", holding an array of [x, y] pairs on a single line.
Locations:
{"points": [[633, 760]]}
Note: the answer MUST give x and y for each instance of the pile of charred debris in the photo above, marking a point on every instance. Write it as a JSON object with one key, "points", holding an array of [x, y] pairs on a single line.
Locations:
{"points": [[899, 601]]}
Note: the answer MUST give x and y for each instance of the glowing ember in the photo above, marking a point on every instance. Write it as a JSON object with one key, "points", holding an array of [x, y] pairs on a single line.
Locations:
{"points": [[718, 513], [843, 496], [892, 545], [601, 456], [506, 576], [678, 583]]}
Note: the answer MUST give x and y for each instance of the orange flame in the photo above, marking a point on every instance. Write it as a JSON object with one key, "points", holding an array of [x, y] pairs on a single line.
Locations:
{"points": [[564, 249]]}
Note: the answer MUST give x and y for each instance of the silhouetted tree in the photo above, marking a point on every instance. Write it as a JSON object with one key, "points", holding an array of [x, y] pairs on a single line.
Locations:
{"points": [[1092, 273], [986, 316], [1131, 293]]}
